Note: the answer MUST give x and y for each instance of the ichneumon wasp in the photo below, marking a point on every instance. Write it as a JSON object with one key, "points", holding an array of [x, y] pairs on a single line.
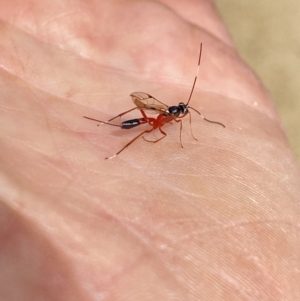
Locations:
{"points": [[166, 114]]}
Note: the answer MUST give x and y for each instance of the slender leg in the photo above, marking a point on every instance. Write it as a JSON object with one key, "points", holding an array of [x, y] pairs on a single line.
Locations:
{"points": [[102, 122], [191, 127], [130, 142], [107, 122], [121, 114], [180, 130], [150, 120], [146, 118], [154, 141], [190, 115]]}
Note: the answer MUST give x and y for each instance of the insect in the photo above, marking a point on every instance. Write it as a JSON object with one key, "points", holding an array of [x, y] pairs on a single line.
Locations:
{"points": [[166, 114]]}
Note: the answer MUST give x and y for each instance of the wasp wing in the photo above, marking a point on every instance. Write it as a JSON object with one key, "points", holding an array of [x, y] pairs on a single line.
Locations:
{"points": [[147, 102]]}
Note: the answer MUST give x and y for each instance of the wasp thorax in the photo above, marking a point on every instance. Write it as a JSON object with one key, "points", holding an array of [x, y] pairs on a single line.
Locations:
{"points": [[174, 110], [177, 110]]}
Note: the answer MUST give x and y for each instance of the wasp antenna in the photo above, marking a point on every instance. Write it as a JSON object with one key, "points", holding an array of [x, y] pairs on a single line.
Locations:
{"points": [[195, 80], [102, 122], [216, 122], [109, 158], [211, 121]]}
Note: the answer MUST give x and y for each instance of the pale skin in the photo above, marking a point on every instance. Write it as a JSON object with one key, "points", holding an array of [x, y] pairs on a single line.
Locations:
{"points": [[215, 220]]}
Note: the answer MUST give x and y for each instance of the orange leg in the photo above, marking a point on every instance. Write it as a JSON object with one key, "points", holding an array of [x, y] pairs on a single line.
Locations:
{"points": [[154, 141], [130, 142], [150, 120]]}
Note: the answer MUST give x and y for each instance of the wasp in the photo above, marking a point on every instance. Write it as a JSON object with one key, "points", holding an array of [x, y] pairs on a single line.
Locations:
{"points": [[165, 114]]}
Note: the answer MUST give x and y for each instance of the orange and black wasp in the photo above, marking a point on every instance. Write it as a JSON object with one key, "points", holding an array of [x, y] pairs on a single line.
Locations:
{"points": [[165, 114]]}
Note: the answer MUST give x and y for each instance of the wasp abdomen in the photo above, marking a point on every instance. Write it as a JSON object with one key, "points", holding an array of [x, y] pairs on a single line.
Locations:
{"points": [[129, 124]]}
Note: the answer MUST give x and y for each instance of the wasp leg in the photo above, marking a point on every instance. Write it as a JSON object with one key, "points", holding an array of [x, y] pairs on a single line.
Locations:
{"points": [[154, 141]]}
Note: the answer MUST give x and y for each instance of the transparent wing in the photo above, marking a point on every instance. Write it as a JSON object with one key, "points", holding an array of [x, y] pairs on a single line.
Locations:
{"points": [[147, 102]]}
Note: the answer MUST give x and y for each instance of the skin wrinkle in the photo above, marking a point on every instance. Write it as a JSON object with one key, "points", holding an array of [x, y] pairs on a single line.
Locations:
{"points": [[192, 175], [195, 233], [188, 193], [56, 18], [246, 293], [180, 241], [254, 190], [30, 84], [22, 76], [176, 246], [22, 112], [28, 145], [43, 25], [121, 273], [234, 225], [126, 226], [142, 239], [266, 274], [189, 15], [259, 162], [256, 107], [26, 224]]}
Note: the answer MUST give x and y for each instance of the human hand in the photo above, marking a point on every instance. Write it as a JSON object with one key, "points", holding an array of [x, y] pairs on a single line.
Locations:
{"points": [[216, 220]]}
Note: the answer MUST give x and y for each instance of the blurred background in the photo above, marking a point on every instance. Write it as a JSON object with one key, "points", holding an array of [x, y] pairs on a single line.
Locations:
{"points": [[267, 35]]}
